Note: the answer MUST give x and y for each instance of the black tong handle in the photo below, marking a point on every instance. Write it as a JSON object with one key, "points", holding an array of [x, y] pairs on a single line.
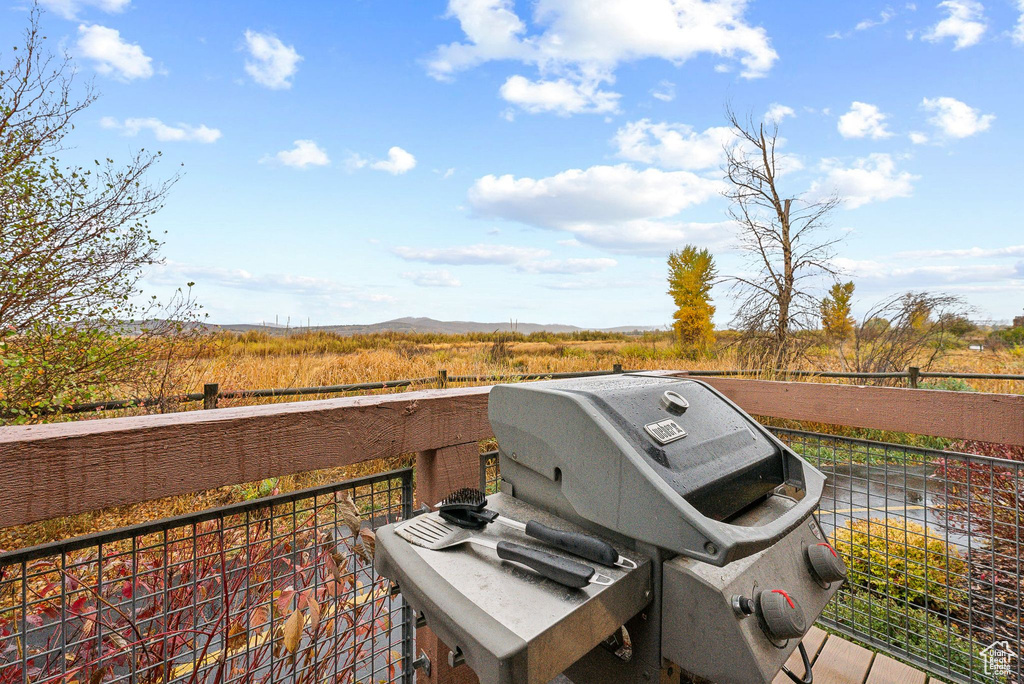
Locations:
{"points": [[565, 571], [582, 545]]}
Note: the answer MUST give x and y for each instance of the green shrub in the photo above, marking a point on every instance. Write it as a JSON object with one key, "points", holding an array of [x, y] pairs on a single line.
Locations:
{"points": [[948, 384], [1013, 337], [258, 490], [902, 559], [909, 628]]}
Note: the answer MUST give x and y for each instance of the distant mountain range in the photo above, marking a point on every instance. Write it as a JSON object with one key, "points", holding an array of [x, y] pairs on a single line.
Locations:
{"points": [[429, 325]]}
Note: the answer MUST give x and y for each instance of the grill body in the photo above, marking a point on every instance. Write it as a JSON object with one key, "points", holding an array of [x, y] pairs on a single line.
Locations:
{"points": [[717, 510]]}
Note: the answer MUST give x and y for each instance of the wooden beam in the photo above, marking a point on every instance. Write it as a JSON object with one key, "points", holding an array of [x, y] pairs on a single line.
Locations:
{"points": [[980, 416], [67, 468]]}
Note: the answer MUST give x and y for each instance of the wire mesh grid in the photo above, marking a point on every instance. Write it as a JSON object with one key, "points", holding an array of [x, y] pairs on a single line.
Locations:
{"points": [[933, 545], [277, 589]]}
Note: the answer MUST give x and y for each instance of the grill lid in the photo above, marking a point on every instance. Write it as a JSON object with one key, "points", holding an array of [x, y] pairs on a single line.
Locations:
{"points": [[663, 459]]}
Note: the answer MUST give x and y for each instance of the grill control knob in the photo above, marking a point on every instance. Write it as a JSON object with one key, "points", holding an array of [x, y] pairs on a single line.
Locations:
{"points": [[826, 565], [781, 615]]}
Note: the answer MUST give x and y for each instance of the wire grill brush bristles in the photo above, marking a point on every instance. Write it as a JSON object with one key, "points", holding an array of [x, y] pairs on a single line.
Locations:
{"points": [[467, 496]]}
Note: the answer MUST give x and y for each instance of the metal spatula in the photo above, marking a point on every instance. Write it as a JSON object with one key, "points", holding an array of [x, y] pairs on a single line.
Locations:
{"points": [[431, 532], [467, 507]]}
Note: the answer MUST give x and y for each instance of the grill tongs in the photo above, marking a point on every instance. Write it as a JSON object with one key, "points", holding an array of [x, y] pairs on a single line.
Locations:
{"points": [[467, 508]]}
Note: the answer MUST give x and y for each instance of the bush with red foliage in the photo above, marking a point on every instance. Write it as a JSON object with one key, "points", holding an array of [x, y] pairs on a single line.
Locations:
{"points": [[261, 597], [984, 500]]}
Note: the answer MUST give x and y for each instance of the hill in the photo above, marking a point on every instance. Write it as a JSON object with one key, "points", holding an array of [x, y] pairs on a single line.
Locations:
{"points": [[410, 324]]}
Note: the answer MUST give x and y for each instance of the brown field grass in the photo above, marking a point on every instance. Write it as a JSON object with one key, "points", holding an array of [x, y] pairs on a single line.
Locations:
{"points": [[259, 361], [253, 365]]}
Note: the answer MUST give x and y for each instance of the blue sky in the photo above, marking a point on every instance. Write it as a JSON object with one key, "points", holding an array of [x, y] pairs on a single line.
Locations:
{"points": [[360, 160]]}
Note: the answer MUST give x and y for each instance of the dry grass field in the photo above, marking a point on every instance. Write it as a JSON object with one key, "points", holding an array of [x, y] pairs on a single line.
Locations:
{"points": [[256, 361]]}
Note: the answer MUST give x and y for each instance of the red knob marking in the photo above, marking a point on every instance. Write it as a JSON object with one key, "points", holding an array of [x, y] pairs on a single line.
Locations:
{"points": [[786, 596], [829, 547]]}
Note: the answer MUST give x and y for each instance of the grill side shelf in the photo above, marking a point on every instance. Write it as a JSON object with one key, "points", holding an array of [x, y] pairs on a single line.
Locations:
{"points": [[510, 624]]}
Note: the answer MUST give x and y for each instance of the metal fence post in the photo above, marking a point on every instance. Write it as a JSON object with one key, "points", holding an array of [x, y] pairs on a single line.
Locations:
{"points": [[210, 392], [913, 373], [442, 378]]}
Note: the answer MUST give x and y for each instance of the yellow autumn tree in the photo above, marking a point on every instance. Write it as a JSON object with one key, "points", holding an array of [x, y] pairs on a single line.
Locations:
{"points": [[691, 273], [836, 320]]}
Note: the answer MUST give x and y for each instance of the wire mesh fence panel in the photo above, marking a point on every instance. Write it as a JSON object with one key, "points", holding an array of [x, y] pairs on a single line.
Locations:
{"points": [[490, 476], [933, 545], [277, 589]]}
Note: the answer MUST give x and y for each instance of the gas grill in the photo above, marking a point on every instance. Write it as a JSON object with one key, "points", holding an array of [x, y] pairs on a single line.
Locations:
{"points": [[716, 515]]}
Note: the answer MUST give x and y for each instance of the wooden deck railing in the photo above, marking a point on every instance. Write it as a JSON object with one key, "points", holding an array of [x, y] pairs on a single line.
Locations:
{"points": [[67, 468]]}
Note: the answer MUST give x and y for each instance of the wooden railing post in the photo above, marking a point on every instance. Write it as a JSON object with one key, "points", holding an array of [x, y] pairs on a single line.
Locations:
{"points": [[210, 392], [442, 379], [441, 471], [617, 368], [438, 473], [913, 373]]}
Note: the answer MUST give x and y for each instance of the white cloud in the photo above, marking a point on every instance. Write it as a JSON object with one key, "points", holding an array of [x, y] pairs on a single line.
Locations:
{"points": [[597, 194], [581, 42], [304, 153], [883, 18], [273, 63], [972, 252], [871, 179], [651, 237], [863, 121], [523, 259], [964, 22], [163, 132], [568, 266], [173, 272], [398, 162], [69, 9], [673, 145], [679, 146], [918, 138], [561, 96], [111, 55], [439, 278], [956, 119], [894, 273], [1018, 31], [617, 207], [666, 91], [471, 254], [777, 112]]}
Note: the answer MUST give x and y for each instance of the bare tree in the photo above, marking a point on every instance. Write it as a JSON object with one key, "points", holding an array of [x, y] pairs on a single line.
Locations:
{"points": [[788, 255], [903, 330]]}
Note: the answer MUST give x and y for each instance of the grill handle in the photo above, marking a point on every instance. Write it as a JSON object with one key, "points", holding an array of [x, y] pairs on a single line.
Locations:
{"points": [[582, 545], [736, 541], [565, 571]]}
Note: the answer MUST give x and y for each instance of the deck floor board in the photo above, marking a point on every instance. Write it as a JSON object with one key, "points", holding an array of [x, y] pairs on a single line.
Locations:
{"points": [[838, 661]]}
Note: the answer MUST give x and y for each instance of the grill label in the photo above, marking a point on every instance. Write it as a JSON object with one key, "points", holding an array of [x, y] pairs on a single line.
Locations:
{"points": [[665, 431]]}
